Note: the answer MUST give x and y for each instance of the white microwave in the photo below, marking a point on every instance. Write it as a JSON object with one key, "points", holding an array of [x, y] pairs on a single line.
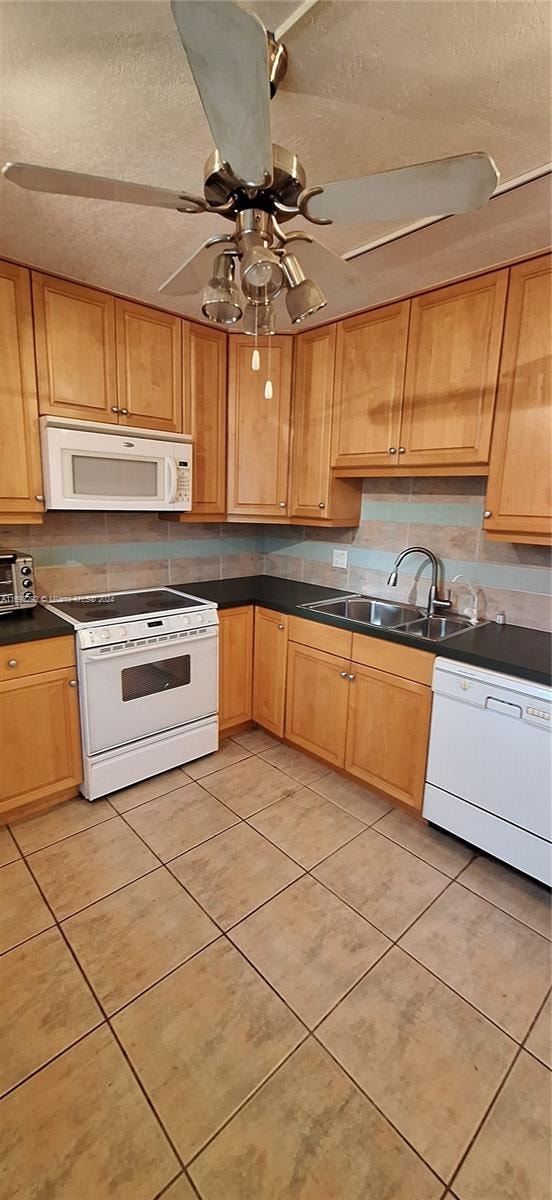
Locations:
{"points": [[89, 465]]}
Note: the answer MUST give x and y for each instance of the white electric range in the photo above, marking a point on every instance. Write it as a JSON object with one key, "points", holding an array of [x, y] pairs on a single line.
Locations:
{"points": [[147, 664]]}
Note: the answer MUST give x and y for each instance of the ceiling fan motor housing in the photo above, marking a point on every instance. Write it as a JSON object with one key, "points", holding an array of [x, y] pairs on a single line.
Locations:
{"points": [[288, 181]]}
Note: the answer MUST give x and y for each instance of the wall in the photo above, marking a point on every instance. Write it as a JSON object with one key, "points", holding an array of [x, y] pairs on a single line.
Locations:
{"points": [[444, 514], [85, 553]]}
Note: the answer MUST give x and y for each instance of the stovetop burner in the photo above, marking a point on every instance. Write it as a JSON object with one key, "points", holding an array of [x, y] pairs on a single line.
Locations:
{"points": [[121, 605]]}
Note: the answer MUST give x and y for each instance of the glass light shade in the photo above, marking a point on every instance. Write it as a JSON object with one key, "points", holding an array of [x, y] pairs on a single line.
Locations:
{"points": [[221, 298], [303, 300], [261, 274], [259, 319]]}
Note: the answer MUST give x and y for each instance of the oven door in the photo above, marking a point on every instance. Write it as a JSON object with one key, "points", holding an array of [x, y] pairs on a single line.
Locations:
{"points": [[133, 692]]}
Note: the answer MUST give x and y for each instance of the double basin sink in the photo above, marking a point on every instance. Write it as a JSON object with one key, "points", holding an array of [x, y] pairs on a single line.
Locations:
{"points": [[401, 618]]}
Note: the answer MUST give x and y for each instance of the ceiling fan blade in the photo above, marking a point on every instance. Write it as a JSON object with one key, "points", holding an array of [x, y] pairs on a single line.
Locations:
{"points": [[434, 189], [328, 270], [227, 51], [294, 18], [96, 187], [192, 276]]}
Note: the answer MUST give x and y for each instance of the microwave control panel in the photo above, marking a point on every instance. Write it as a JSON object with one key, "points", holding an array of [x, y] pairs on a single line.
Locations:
{"points": [[184, 482]]}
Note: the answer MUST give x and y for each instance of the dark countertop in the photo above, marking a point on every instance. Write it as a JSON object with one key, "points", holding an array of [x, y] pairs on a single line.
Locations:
{"points": [[512, 649], [32, 626]]}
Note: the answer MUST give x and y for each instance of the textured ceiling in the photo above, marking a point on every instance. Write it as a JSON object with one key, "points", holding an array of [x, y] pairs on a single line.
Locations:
{"points": [[105, 88]]}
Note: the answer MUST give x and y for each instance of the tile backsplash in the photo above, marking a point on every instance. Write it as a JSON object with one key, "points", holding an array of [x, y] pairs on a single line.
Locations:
{"points": [[80, 553]]}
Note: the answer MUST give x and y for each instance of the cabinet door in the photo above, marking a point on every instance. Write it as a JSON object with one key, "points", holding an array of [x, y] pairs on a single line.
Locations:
{"points": [[519, 496], [39, 721], [75, 350], [369, 380], [20, 471], [388, 732], [316, 702], [204, 368], [269, 670], [258, 429], [149, 367], [451, 373], [235, 666], [312, 417]]}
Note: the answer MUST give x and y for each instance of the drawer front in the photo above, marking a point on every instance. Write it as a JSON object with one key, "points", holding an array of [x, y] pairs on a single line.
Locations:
{"points": [[31, 658], [404, 661], [320, 637]]}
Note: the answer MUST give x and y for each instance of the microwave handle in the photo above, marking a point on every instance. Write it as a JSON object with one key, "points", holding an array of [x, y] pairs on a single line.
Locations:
{"points": [[171, 480]]}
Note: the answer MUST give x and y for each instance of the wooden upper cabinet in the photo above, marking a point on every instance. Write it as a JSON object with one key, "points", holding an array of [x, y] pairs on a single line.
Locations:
{"points": [[75, 350], [258, 429], [314, 492], [519, 495], [20, 471], [149, 367], [451, 373], [204, 372], [369, 379]]}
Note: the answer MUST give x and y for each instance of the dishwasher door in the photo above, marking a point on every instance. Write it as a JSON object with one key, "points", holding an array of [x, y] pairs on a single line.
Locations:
{"points": [[490, 764]]}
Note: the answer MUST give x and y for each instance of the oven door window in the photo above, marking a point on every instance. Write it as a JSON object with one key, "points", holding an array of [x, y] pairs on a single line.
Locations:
{"points": [[107, 476], [6, 585], [147, 679]]}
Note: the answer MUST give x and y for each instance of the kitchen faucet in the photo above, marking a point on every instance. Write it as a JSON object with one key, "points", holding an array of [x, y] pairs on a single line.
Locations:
{"points": [[433, 600]]}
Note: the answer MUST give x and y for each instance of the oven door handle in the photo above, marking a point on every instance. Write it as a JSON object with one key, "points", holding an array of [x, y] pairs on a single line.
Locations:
{"points": [[134, 650], [171, 480]]}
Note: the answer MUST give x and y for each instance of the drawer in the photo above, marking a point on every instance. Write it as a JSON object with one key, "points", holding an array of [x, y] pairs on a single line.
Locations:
{"points": [[397, 660], [32, 658], [320, 637]]}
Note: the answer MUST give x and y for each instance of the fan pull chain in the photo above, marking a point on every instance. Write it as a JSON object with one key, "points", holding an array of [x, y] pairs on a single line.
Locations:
{"points": [[255, 357], [268, 389]]}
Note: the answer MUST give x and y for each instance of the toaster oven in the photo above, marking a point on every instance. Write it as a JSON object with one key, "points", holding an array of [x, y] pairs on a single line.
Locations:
{"points": [[17, 584]]}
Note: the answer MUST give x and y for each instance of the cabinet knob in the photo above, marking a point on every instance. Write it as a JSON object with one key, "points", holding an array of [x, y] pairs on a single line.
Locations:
{"points": [[281, 627], [282, 504], [321, 505], [343, 674], [39, 498], [124, 412], [12, 662], [487, 514], [73, 683], [402, 449], [114, 408], [392, 450], [352, 678]]}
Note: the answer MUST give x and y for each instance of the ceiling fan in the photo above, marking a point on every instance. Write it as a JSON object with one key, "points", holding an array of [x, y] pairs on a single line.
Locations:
{"points": [[237, 66]]}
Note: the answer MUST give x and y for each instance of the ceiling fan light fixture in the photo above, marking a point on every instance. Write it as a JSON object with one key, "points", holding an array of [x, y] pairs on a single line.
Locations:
{"points": [[259, 319], [221, 300], [303, 296], [261, 274]]}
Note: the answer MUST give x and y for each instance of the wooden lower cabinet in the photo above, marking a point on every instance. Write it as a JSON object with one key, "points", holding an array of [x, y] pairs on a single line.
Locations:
{"points": [[269, 670], [388, 732], [316, 702], [235, 666], [40, 758]]}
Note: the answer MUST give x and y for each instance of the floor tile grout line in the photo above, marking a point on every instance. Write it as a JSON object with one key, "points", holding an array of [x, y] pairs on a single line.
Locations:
{"points": [[504, 910], [66, 836], [318, 863], [54, 1058], [532, 1026], [110, 1016], [453, 878], [486, 1114], [31, 938]]}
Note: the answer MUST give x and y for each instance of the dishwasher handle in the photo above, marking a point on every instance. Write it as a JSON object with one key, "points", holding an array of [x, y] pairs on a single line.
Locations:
{"points": [[504, 707]]}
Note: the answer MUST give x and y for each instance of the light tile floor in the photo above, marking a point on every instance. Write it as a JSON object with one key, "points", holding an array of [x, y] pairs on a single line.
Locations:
{"points": [[253, 979]]}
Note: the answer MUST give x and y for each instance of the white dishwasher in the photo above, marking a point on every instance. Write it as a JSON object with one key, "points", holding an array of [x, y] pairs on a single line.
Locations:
{"points": [[489, 777]]}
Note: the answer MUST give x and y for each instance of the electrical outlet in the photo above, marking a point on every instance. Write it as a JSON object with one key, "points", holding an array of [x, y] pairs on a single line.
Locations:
{"points": [[339, 558]]}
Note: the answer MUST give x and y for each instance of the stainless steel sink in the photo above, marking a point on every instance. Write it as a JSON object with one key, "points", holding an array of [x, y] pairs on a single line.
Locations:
{"points": [[436, 628], [369, 610]]}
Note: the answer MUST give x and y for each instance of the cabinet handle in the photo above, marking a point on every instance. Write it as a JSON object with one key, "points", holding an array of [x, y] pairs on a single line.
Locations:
{"points": [[343, 674], [352, 678], [282, 504], [114, 408], [281, 626], [39, 498], [321, 505], [402, 449], [123, 412], [392, 450], [487, 514], [12, 662], [73, 683]]}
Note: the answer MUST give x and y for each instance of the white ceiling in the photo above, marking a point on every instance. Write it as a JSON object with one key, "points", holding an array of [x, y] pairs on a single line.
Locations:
{"points": [[104, 87]]}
